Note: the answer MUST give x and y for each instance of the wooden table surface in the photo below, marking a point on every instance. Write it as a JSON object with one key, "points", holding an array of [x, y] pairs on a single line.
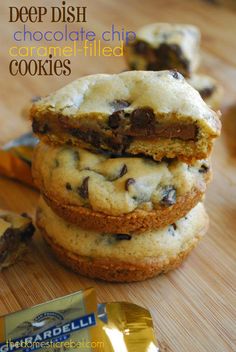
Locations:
{"points": [[193, 307]]}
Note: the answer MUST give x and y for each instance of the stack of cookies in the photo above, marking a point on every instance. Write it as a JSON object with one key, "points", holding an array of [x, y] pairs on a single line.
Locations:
{"points": [[164, 46], [122, 166]]}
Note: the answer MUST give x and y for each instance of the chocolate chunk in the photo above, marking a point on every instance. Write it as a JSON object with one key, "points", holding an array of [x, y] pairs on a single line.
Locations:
{"points": [[141, 47], [129, 182], [123, 170], [119, 104], [203, 169], [83, 189], [142, 118], [206, 92], [122, 236], [175, 74], [169, 196], [68, 186], [38, 128], [115, 118]]}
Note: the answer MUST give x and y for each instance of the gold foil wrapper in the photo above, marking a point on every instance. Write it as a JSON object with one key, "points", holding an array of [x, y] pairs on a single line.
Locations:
{"points": [[16, 157], [76, 323]]}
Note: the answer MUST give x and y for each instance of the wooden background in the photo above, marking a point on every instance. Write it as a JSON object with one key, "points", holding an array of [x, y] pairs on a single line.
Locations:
{"points": [[193, 307]]}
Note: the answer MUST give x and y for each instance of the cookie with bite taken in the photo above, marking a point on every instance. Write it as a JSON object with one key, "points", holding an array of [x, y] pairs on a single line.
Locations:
{"points": [[156, 114]]}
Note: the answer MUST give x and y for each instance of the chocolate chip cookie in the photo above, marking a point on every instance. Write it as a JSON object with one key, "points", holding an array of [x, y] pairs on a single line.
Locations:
{"points": [[15, 233], [122, 257], [117, 194], [162, 46], [138, 112]]}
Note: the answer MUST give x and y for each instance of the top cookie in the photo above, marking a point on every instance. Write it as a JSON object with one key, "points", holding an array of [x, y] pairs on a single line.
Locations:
{"points": [[138, 112], [162, 46]]}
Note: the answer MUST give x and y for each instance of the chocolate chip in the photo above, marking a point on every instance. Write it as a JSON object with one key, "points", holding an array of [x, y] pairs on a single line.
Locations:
{"points": [[123, 170], [3, 256], [68, 186], [83, 189], [129, 182], [141, 47], [206, 92], [27, 233], [38, 128], [175, 74], [174, 226], [115, 118], [203, 169], [25, 215], [142, 118], [122, 236], [119, 104], [169, 196]]}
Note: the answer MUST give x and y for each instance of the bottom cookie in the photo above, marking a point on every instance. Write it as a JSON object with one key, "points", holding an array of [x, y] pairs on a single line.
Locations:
{"points": [[122, 257]]}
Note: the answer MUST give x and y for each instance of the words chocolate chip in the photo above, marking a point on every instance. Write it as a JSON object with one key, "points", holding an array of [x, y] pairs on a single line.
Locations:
{"points": [[169, 196], [129, 182], [83, 189], [142, 118]]}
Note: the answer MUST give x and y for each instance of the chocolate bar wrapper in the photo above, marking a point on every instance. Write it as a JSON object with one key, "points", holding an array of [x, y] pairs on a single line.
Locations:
{"points": [[76, 323], [16, 157]]}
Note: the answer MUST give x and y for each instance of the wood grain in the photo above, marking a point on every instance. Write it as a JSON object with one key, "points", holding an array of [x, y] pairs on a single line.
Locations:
{"points": [[194, 307]]}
